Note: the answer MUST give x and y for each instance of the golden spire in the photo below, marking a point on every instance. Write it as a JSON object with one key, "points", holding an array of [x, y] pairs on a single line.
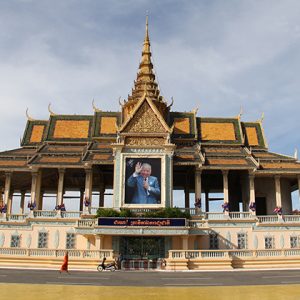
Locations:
{"points": [[145, 78], [147, 33], [145, 82]]}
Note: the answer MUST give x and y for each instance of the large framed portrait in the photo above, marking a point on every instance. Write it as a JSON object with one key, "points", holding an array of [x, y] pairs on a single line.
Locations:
{"points": [[143, 182]]}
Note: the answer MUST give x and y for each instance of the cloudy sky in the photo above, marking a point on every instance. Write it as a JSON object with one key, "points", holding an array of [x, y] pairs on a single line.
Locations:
{"points": [[215, 55]]}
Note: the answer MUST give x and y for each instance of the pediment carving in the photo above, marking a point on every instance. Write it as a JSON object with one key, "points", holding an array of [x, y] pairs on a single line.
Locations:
{"points": [[145, 121]]}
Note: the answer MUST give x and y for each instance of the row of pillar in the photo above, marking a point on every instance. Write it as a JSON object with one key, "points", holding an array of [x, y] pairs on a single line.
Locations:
{"points": [[198, 191], [36, 194]]}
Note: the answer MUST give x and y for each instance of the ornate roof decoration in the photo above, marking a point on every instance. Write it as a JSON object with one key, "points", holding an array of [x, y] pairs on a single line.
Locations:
{"points": [[145, 118], [29, 118], [94, 107], [240, 113], [145, 82], [50, 111]]}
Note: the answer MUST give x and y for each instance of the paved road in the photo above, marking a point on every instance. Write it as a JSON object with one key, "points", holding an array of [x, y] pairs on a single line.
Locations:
{"points": [[153, 279]]}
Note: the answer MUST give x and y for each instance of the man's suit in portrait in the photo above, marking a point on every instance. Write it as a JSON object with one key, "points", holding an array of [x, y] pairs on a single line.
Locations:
{"points": [[141, 195]]}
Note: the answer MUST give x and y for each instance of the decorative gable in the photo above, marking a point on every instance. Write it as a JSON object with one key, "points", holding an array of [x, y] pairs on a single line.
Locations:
{"points": [[145, 119]]}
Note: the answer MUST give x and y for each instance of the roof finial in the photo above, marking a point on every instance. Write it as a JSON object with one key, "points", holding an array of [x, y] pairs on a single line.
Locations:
{"points": [[94, 106], [171, 103], [240, 113], [28, 117], [147, 16], [50, 111]]}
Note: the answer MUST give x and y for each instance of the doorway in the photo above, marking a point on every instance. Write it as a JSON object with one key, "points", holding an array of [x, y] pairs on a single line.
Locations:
{"points": [[142, 247]]}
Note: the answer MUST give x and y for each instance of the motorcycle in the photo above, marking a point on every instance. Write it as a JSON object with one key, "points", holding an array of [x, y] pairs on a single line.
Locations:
{"points": [[110, 267]]}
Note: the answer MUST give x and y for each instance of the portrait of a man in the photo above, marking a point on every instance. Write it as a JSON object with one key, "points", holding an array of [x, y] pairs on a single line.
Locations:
{"points": [[142, 187]]}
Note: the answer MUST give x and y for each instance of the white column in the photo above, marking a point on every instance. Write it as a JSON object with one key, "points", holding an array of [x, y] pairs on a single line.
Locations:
{"points": [[7, 187], [278, 191], [198, 188], [88, 186], [60, 188], [225, 186], [251, 190], [37, 191], [34, 181]]}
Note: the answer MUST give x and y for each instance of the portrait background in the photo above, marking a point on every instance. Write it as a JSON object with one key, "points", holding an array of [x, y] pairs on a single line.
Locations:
{"points": [[130, 168]]}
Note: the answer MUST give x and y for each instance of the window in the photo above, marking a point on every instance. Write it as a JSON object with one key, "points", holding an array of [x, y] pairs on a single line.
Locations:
{"points": [[242, 240], [70, 241], [294, 241], [43, 240], [213, 241], [15, 241], [269, 242]]}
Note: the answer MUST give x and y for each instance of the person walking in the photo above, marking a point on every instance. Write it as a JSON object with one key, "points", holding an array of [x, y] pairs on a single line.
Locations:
{"points": [[64, 266]]}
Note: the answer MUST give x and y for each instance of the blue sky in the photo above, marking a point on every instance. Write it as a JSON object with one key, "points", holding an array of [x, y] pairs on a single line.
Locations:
{"points": [[215, 55]]}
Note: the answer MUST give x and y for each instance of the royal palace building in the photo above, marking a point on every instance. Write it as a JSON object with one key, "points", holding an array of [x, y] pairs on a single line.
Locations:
{"points": [[133, 162]]}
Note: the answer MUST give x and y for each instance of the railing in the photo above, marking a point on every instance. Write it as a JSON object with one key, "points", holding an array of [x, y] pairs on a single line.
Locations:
{"points": [[86, 254], [215, 216], [93, 210], [201, 254], [268, 219], [57, 214], [71, 214], [191, 211], [17, 218], [291, 218], [241, 253], [45, 213], [201, 217], [241, 215], [215, 254], [197, 224], [87, 223]]}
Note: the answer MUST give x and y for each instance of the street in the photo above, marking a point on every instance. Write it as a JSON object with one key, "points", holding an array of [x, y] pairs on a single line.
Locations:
{"points": [[151, 278]]}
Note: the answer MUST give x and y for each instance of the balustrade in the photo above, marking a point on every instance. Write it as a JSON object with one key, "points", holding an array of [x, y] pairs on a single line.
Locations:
{"points": [[71, 214], [213, 254], [17, 218], [45, 213], [87, 254], [241, 215], [87, 223], [268, 219], [198, 221]]}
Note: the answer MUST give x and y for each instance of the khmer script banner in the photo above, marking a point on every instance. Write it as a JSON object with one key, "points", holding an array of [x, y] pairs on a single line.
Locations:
{"points": [[154, 222]]}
